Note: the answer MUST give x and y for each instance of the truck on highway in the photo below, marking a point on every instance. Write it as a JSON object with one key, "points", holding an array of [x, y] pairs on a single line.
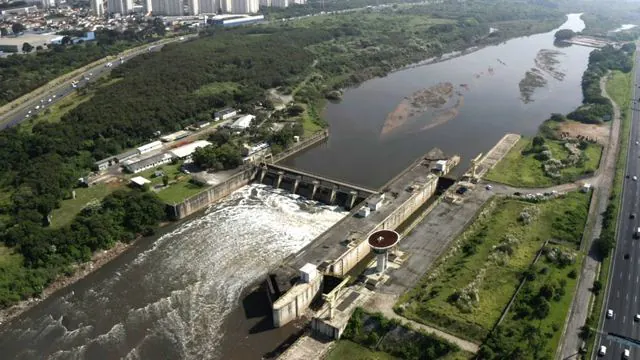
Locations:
{"points": [[637, 233]]}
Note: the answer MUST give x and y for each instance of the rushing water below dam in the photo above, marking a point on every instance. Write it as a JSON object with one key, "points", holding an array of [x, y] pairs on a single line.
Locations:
{"points": [[356, 152], [175, 297], [171, 298]]}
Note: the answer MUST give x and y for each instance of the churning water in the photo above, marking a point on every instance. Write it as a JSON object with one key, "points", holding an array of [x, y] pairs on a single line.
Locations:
{"points": [[170, 300]]}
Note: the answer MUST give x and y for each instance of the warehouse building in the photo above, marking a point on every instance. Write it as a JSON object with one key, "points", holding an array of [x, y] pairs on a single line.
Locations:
{"points": [[149, 163], [175, 136], [225, 114], [113, 160], [184, 152], [149, 147], [243, 123]]}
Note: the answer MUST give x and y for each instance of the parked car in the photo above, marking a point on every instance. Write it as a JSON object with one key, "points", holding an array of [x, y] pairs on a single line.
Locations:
{"points": [[609, 314]]}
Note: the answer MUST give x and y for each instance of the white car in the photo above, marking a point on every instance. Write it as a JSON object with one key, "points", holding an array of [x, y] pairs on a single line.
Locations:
{"points": [[626, 354], [637, 142], [602, 351], [634, 178], [609, 314], [49, 100], [637, 317], [54, 96], [27, 116], [489, 187], [38, 107], [29, 112]]}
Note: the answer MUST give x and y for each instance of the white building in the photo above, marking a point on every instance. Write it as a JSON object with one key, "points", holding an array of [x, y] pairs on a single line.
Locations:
{"points": [[119, 6], [149, 163], [242, 6], [280, 3], [224, 114], [243, 123], [204, 6], [167, 7], [194, 7], [150, 147], [97, 7], [265, 2], [185, 151]]}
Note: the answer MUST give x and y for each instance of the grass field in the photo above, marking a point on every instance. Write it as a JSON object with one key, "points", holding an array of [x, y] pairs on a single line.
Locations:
{"points": [[520, 170], [529, 326], [217, 88], [490, 257], [180, 186], [71, 207]]}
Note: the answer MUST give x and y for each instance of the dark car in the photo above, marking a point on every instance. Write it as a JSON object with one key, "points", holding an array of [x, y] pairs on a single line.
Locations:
{"points": [[626, 256], [632, 216], [461, 190], [517, 193]]}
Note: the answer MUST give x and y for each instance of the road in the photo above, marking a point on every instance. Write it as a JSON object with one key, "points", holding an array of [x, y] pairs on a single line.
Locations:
{"points": [[623, 297], [28, 110]]}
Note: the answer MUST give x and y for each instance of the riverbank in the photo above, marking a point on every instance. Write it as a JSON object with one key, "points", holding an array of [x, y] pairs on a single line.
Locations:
{"points": [[80, 271]]}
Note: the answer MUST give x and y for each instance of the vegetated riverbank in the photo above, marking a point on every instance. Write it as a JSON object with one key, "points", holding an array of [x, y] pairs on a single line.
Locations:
{"points": [[567, 148], [467, 292], [40, 167]]}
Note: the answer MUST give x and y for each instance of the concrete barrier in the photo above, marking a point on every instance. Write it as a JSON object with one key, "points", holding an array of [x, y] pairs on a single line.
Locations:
{"points": [[304, 144], [209, 196]]}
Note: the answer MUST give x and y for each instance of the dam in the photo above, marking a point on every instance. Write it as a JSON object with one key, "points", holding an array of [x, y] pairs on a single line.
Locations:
{"points": [[294, 285]]}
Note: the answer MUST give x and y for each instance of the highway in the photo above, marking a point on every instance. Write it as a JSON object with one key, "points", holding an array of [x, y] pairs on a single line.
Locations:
{"points": [[621, 331], [28, 109]]}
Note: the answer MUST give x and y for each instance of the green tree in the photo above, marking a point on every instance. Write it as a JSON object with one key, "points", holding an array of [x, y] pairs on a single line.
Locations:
{"points": [[564, 34], [4, 32], [17, 28], [538, 141], [165, 180], [26, 47]]}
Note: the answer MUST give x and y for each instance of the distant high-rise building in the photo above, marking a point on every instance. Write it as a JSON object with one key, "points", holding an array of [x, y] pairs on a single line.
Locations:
{"points": [[194, 7], [167, 7], [226, 5], [148, 6], [204, 6], [119, 6], [245, 6], [265, 2], [280, 3], [97, 7]]}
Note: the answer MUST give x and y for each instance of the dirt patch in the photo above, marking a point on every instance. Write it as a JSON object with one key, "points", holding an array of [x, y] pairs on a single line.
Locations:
{"points": [[572, 129], [441, 98]]}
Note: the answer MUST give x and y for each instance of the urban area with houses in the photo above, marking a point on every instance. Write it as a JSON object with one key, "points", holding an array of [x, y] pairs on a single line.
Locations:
{"points": [[323, 186]]}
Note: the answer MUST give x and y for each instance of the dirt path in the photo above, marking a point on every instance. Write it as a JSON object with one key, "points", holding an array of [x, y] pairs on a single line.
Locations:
{"points": [[384, 304], [571, 342]]}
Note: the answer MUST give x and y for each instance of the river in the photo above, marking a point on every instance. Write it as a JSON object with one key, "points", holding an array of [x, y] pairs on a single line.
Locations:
{"points": [[492, 107], [177, 296], [168, 299]]}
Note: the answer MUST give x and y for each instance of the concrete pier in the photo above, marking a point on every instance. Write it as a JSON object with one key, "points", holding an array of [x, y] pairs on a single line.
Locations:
{"points": [[280, 175], [353, 196], [296, 183], [315, 189], [332, 198]]}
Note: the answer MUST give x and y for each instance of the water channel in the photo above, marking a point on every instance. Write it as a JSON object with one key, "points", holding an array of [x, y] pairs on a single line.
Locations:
{"points": [[356, 152], [172, 297]]}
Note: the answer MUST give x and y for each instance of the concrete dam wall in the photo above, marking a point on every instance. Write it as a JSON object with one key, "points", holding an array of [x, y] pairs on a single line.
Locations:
{"points": [[211, 195]]}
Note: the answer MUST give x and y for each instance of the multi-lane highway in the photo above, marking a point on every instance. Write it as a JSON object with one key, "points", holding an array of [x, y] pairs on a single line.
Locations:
{"points": [[28, 110], [621, 331]]}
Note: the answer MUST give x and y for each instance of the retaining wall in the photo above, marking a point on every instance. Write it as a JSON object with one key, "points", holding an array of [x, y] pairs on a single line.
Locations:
{"points": [[202, 200]]}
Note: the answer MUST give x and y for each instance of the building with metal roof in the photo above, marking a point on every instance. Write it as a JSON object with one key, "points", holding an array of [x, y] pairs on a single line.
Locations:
{"points": [[185, 151]]}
